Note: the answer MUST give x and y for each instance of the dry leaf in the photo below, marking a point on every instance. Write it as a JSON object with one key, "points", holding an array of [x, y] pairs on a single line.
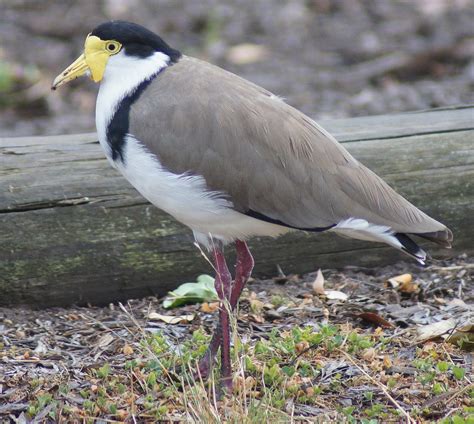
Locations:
{"points": [[248, 383], [369, 354], [318, 288], [318, 283], [376, 319], [104, 341], [336, 295], [325, 319], [127, 349], [169, 319], [257, 318], [256, 305], [387, 362], [437, 329], [378, 332], [209, 308], [301, 346]]}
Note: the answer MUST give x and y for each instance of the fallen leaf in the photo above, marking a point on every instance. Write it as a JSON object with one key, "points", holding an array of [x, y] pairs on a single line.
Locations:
{"points": [[201, 291], [318, 288], [376, 319], [127, 349], [437, 329], [301, 346], [318, 283], [387, 362], [170, 319], [257, 318], [335, 295], [369, 354], [209, 308], [325, 319], [256, 305], [104, 341]]}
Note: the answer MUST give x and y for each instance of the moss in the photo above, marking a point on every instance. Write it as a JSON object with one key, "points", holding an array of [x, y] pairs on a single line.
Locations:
{"points": [[141, 260], [24, 269]]}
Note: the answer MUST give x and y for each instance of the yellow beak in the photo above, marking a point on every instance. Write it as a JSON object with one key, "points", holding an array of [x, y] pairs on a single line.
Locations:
{"points": [[78, 68]]}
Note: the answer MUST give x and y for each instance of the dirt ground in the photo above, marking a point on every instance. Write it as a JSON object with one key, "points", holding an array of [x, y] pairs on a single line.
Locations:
{"points": [[387, 339], [329, 58]]}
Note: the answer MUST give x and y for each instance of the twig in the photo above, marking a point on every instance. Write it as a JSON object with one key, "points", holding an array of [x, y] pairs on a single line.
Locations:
{"points": [[459, 392], [381, 386], [451, 359], [204, 254]]}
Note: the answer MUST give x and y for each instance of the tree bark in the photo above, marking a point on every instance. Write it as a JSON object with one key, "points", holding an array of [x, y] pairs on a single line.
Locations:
{"points": [[72, 230]]}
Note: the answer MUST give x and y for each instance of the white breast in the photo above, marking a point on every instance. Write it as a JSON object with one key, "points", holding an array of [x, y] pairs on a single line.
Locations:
{"points": [[186, 197]]}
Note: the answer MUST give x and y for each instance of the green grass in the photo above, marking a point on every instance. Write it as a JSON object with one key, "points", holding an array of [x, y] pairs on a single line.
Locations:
{"points": [[277, 379]]}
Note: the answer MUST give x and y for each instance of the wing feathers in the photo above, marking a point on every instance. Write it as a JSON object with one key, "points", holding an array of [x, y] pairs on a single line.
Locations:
{"points": [[265, 155]]}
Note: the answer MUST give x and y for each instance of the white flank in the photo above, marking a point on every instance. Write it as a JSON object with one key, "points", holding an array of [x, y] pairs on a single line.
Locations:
{"points": [[122, 75], [361, 229], [186, 197]]}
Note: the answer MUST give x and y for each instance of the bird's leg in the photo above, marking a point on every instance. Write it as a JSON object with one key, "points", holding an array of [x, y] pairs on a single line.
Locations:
{"points": [[223, 284], [243, 270]]}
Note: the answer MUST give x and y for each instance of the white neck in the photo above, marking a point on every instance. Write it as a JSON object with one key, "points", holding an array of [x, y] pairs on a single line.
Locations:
{"points": [[122, 75]]}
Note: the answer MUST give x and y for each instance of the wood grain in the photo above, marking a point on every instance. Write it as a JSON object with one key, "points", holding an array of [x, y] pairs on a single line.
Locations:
{"points": [[74, 231]]}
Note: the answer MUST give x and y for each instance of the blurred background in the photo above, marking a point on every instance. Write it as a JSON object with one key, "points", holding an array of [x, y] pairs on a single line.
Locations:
{"points": [[329, 58]]}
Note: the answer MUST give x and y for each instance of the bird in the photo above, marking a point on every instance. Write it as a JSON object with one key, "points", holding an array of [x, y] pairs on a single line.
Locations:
{"points": [[231, 160]]}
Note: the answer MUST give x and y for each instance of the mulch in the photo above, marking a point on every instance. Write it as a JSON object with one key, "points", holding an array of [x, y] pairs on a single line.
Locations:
{"points": [[56, 345]]}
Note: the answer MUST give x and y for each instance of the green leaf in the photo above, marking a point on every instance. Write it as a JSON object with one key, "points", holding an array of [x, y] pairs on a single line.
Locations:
{"points": [[442, 366], [458, 373], [201, 291], [456, 419]]}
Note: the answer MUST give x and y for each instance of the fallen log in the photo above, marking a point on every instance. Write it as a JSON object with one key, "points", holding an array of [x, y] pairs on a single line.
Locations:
{"points": [[74, 231]]}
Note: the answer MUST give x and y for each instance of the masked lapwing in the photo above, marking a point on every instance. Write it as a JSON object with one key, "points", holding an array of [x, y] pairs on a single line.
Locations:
{"points": [[231, 160]]}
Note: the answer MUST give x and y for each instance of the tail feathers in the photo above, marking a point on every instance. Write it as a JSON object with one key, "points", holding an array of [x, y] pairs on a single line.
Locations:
{"points": [[409, 247], [443, 238], [363, 230]]}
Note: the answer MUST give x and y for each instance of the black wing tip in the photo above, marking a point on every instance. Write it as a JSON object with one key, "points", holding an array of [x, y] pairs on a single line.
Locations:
{"points": [[411, 248]]}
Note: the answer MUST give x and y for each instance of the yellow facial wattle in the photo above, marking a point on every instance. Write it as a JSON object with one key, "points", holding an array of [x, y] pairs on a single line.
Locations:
{"points": [[94, 59]]}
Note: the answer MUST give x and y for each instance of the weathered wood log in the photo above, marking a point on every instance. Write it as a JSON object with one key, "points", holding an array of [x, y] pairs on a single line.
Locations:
{"points": [[74, 231]]}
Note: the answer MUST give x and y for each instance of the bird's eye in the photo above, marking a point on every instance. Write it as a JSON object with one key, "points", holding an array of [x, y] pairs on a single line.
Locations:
{"points": [[112, 47]]}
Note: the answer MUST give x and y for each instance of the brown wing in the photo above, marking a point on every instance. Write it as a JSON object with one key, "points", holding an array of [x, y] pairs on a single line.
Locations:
{"points": [[267, 156]]}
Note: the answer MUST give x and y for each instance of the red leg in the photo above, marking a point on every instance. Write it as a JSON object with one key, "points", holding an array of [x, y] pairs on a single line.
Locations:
{"points": [[223, 285], [243, 270]]}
